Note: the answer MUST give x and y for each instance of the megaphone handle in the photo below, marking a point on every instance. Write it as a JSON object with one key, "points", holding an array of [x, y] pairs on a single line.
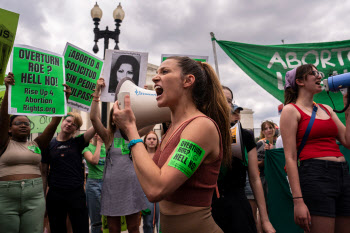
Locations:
{"points": [[347, 104]]}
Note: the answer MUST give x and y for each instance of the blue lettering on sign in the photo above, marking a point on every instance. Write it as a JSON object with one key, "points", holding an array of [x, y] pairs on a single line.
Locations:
{"points": [[143, 93]]}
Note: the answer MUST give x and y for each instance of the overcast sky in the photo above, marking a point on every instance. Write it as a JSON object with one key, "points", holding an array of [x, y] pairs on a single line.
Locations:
{"points": [[183, 27]]}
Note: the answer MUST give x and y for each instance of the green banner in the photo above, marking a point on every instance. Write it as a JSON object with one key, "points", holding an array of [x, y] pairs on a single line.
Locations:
{"points": [[267, 64], [8, 28], [82, 71], [279, 198], [38, 88]]}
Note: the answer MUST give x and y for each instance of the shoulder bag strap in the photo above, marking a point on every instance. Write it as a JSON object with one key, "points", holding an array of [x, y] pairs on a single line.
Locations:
{"points": [[308, 129]]}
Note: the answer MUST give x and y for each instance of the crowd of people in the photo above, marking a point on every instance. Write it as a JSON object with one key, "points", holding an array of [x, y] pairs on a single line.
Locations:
{"points": [[190, 180]]}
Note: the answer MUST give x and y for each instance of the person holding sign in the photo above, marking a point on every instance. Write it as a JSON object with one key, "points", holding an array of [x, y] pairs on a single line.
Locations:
{"points": [[321, 184], [125, 66], [21, 185], [63, 172], [121, 191], [185, 168]]}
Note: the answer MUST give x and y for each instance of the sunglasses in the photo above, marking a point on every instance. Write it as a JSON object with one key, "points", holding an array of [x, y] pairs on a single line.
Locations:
{"points": [[21, 122], [315, 73]]}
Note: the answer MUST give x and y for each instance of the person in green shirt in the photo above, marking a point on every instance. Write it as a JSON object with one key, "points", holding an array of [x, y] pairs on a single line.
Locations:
{"points": [[95, 155]]}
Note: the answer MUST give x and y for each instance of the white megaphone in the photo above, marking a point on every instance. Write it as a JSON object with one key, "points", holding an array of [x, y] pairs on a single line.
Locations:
{"points": [[237, 144], [143, 103]]}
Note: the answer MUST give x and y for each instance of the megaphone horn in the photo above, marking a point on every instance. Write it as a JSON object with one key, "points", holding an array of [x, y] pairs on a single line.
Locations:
{"points": [[237, 148], [143, 104]]}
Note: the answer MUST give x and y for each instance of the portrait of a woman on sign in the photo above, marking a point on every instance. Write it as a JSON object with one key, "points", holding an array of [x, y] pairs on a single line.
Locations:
{"points": [[124, 66]]}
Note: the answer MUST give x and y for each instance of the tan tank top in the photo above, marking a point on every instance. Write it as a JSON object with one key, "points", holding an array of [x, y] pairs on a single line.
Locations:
{"points": [[19, 159]]}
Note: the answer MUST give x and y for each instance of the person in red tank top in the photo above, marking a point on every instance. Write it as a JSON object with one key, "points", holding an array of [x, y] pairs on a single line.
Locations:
{"points": [[321, 185], [184, 174]]}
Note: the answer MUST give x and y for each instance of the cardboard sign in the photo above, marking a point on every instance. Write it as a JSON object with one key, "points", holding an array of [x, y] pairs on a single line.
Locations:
{"points": [[38, 88], [82, 71]]}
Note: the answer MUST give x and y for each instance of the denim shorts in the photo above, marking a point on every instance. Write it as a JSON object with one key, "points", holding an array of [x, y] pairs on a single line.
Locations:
{"points": [[325, 186]]}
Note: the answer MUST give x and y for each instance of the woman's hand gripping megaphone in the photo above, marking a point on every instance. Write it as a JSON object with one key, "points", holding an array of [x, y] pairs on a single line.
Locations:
{"points": [[124, 119]]}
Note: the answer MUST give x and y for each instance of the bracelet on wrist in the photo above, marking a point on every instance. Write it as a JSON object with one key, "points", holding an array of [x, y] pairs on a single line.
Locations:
{"points": [[96, 96], [297, 198], [133, 142]]}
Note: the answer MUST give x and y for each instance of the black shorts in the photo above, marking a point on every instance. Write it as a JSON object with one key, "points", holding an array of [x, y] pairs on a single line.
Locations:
{"points": [[325, 186]]}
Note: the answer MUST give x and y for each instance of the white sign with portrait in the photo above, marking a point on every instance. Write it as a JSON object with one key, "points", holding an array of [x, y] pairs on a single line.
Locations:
{"points": [[119, 64]]}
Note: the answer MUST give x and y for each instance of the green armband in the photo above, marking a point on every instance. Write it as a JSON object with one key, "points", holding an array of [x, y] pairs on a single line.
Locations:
{"points": [[187, 157]]}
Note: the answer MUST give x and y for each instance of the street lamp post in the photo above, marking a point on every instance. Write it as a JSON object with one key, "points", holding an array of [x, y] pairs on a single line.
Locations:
{"points": [[96, 15]]}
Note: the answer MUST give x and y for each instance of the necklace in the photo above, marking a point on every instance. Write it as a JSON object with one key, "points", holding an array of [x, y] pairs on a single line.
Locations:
{"points": [[304, 107]]}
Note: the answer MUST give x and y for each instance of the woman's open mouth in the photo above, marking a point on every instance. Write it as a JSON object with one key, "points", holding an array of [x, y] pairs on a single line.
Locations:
{"points": [[159, 90]]}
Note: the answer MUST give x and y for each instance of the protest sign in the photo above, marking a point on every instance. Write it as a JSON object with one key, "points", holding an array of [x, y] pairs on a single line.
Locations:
{"points": [[38, 88], [8, 28], [194, 57], [82, 71], [120, 64]]}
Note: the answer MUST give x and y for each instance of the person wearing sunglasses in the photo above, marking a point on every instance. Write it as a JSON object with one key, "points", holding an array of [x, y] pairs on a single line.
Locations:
{"points": [[22, 202], [321, 184]]}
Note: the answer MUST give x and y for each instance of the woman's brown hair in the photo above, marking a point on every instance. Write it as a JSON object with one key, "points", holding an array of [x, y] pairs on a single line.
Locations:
{"points": [[290, 94], [209, 98]]}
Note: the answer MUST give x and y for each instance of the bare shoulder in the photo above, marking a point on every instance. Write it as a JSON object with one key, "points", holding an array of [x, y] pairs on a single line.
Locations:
{"points": [[328, 107], [289, 111], [289, 108], [201, 126], [203, 132]]}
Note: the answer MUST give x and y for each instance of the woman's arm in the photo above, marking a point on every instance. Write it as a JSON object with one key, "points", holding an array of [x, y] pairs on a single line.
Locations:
{"points": [[255, 182], [4, 116], [158, 183], [44, 139], [94, 158], [289, 126], [95, 113], [89, 134]]}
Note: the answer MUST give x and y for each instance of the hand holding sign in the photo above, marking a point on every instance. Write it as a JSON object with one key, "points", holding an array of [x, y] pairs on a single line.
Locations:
{"points": [[9, 80], [100, 84], [68, 91]]}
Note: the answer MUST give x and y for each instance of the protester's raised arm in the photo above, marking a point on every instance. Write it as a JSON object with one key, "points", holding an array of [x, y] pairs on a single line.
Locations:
{"points": [[95, 116], [4, 116], [44, 139]]}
